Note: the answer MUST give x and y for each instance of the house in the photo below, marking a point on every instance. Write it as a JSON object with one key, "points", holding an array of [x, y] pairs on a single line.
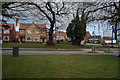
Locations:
{"points": [[86, 37], [96, 38], [17, 35], [60, 35], [8, 34], [32, 33]]}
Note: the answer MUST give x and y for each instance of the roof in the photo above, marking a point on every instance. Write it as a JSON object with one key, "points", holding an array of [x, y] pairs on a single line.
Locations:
{"points": [[26, 25], [11, 25]]}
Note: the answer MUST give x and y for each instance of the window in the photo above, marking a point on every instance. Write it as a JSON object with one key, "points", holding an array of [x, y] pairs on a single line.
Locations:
{"points": [[36, 32], [62, 36], [21, 31], [36, 38], [29, 39], [29, 31], [6, 38], [6, 31]]}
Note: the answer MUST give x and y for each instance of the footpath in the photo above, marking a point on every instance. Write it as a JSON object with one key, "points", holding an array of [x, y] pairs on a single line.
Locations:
{"points": [[52, 49], [82, 51]]}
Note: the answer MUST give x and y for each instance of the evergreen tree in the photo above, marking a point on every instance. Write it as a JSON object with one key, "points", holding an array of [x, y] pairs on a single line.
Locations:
{"points": [[79, 30]]}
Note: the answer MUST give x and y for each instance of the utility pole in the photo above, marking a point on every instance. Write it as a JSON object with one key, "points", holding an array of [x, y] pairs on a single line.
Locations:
{"points": [[112, 35]]}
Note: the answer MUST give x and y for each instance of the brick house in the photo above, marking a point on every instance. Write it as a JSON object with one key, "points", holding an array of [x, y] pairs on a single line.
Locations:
{"points": [[87, 36], [60, 35], [32, 33], [8, 35], [17, 35]]}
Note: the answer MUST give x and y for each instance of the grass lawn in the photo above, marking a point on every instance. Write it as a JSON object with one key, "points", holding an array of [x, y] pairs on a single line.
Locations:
{"points": [[60, 66], [37, 45]]}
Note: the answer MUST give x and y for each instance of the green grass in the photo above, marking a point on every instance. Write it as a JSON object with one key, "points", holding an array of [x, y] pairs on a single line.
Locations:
{"points": [[96, 46], [60, 66], [90, 46], [37, 45]]}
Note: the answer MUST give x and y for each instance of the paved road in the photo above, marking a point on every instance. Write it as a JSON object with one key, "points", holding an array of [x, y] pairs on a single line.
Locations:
{"points": [[31, 52]]}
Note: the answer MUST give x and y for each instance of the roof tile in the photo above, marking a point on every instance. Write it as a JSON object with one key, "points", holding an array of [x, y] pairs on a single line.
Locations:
{"points": [[25, 25], [11, 25]]}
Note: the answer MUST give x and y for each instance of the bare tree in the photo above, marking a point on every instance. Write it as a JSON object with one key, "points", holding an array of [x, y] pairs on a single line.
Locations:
{"points": [[46, 11]]}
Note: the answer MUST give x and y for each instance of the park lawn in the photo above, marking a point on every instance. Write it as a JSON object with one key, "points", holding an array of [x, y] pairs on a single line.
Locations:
{"points": [[90, 46], [38, 45], [60, 66]]}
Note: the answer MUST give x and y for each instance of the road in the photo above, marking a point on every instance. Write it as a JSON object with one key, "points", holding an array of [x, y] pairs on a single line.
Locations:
{"points": [[34, 52]]}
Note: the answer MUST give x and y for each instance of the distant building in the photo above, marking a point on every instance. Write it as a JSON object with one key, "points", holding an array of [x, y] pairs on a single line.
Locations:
{"points": [[32, 33], [7, 34], [60, 35], [108, 36], [96, 38]]}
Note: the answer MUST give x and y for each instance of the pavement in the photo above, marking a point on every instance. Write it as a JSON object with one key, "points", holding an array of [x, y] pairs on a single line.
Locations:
{"points": [[52, 49], [39, 51]]}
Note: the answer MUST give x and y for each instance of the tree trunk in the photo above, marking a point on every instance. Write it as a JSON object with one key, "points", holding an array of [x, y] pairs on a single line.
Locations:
{"points": [[50, 34], [116, 31]]}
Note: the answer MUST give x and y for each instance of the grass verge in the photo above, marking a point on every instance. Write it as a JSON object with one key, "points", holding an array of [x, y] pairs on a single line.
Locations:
{"points": [[60, 66]]}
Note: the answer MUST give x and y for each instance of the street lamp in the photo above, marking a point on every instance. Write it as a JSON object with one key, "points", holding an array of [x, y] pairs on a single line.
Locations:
{"points": [[94, 39]]}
